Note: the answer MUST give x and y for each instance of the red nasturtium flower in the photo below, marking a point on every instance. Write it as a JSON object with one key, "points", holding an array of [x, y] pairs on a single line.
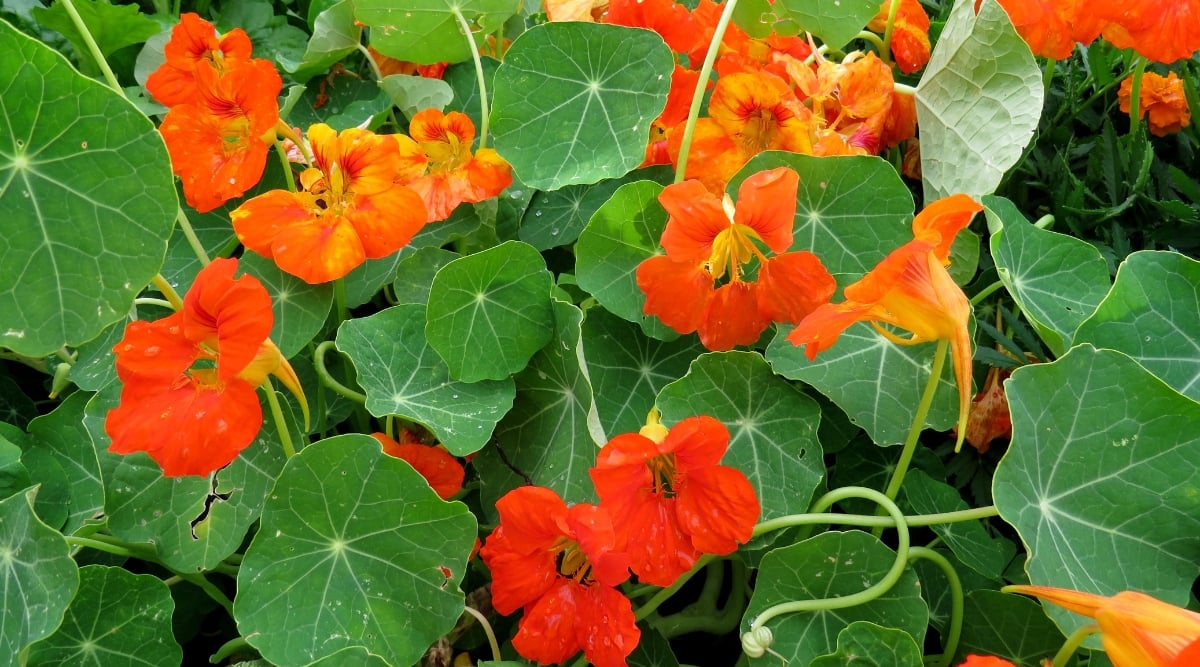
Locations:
{"points": [[561, 565], [350, 209], [443, 472], [912, 290], [1163, 98], [1137, 630], [194, 44], [188, 380], [454, 175], [672, 497], [985, 661], [706, 239]]}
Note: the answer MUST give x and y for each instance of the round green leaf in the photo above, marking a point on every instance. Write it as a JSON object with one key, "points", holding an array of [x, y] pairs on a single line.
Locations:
{"points": [[354, 549], [427, 31], [598, 87], [969, 540], [415, 272], [334, 36], [831, 565], [968, 141], [1058, 280], [556, 218], [403, 376], [1102, 478], [117, 618], [835, 22], [773, 425], [299, 308], [1153, 315], [863, 644], [1007, 626], [412, 94], [86, 188], [62, 437], [489, 312], [37, 576]]}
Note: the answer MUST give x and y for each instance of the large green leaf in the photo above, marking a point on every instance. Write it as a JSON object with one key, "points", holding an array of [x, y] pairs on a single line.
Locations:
{"points": [[1102, 478], [969, 140], [773, 425], [299, 308], [556, 218], [85, 184], [877, 382], [850, 210], [117, 619], [835, 22], [1153, 315], [830, 565], [864, 644], [37, 576], [403, 376], [552, 434], [354, 549], [489, 312], [969, 540], [60, 436], [574, 101], [427, 31], [1007, 626], [1057, 280]]}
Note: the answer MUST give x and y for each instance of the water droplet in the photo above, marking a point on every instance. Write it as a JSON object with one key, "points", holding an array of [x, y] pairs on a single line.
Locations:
{"points": [[151, 351]]}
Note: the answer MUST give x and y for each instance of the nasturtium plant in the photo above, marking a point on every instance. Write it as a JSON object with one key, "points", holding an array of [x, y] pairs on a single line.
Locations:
{"points": [[631, 333]]}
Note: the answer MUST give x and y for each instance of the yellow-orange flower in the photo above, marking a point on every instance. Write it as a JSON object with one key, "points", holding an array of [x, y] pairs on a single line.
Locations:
{"points": [[350, 208], [1137, 630], [1162, 98], [912, 290], [453, 175]]}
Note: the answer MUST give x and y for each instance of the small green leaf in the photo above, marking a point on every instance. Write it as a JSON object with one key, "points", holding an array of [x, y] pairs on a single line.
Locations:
{"points": [[113, 27], [415, 272], [773, 426], [556, 218], [968, 142], [598, 88], [37, 576], [353, 550], [85, 184], [427, 31], [347, 102], [1057, 280], [969, 540], [835, 22], [116, 619], [1153, 315], [60, 435], [864, 644], [334, 36], [1007, 626], [653, 650], [415, 93], [13, 475], [832, 565], [489, 312], [95, 366], [403, 376], [1099, 446]]}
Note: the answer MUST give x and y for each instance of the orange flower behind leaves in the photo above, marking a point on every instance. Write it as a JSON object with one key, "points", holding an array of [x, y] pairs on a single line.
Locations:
{"points": [[707, 239], [1161, 30], [1162, 98], [912, 290], [561, 565], [194, 44], [910, 34], [443, 472], [389, 66], [349, 210], [673, 499], [454, 175], [1137, 630], [985, 661], [670, 19], [760, 112], [989, 418], [679, 101], [188, 380]]}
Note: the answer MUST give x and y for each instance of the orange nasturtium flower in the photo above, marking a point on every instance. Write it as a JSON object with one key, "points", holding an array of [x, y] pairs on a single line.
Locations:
{"points": [[188, 380], [672, 497], [1137, 630], [443, 472], [561, 565], [707, 239], [1162, 98], [1162, 30], [350, 209], [910, 34], [985, 661], [194, 44], [912, 290], [454, 175]]}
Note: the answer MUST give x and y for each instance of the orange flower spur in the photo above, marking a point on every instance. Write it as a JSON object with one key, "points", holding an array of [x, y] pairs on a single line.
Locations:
{"points": [[350, 208], [673, 499], [912, 290], [707, 239], [1137, 630], [194, 44], [454, 175], [561, 565], [188, 394]]}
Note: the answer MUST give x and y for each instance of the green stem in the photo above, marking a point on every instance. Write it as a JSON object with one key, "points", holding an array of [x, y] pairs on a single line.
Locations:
{"points": [[100, 545], [707, 617], [207, 586], [229, 648], [918, 425], [1071, 645], [862, 597], [150, 301], [904, 89], [93, 48], [665, 594], [893, 9], [370, 61], [287, 166], [950, 645], [1135, 97], [698, 97], [281, 425], [872, 38], [986, 292], [863, 520], [479, 78], [339, 298], [1044, 221], [169, 292], [487, 630], [185, 226], [327, 379]]}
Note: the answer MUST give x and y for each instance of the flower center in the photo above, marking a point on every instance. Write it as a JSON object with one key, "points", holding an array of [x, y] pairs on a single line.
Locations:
{"points": [[572, 563], [733, 248], [447, 154], [662, 469]]}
